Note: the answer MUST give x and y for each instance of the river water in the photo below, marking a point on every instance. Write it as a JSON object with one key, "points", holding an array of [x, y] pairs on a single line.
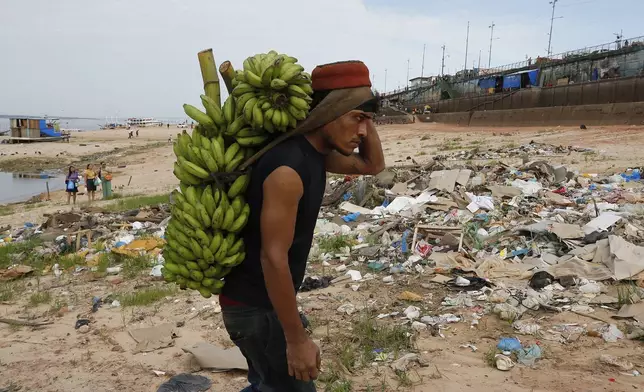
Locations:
{"points": [[16, 187]]}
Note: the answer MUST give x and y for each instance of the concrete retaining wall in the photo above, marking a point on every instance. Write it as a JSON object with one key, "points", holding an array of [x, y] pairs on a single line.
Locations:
{"points": [[402, 119], [458, 118], [606, 114]]}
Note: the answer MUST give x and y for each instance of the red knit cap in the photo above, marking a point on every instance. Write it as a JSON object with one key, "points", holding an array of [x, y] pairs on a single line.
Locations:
{"points": [[344, 74]]}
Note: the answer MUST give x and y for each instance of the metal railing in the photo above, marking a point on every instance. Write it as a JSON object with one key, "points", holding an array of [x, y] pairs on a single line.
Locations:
{"points": [[534, 63]]}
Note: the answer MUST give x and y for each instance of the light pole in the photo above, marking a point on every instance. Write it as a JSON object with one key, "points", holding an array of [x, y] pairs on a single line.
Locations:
{"points": [[552, 21], [422, 67], [489, 61], [385, 80], [467, 42], [443, 60]]}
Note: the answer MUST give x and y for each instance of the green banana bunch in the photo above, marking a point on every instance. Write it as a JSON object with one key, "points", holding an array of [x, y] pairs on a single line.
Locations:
{"points": [[271, 93]]}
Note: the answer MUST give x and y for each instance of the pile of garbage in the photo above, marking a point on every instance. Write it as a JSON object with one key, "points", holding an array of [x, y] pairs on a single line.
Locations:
{"points": [[87, 235], [508, 241]]}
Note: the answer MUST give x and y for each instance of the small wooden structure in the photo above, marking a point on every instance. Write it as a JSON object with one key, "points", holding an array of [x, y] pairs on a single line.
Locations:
{"points": [[32, 129]]}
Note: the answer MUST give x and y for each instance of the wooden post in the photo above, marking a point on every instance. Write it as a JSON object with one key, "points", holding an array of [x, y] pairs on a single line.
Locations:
{"points": [[209, 75], [48, 197], [227, 74], [129, 181]]}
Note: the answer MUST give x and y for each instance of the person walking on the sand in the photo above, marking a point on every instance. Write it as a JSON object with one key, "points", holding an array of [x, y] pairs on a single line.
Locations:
{"points": [[71, 184], [137, 133]]}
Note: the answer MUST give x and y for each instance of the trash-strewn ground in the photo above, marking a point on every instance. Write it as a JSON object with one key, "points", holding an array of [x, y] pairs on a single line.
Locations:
{"points": [[475, 236]]}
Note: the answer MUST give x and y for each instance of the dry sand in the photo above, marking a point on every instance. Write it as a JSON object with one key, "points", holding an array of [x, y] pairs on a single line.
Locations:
{"points": [[59, 358], [143, 165]]}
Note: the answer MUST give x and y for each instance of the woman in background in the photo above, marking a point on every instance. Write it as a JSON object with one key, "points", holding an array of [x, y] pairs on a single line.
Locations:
{"points": [[71, 184], [106, 181], [90, 182]]}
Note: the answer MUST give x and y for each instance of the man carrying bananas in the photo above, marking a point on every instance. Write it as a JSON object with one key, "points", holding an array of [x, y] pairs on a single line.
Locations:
{"points": [[285, 194]]}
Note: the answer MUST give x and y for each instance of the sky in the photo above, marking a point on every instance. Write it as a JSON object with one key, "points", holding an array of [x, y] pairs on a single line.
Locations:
{"points": [[139, 57]]}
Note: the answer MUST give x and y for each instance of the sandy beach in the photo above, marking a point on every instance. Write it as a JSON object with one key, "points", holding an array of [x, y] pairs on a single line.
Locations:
{"points": [[143, 165], [103, 359]]}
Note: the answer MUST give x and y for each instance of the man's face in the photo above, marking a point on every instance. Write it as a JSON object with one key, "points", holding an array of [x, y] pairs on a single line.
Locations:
{"points": [[345, 133]]}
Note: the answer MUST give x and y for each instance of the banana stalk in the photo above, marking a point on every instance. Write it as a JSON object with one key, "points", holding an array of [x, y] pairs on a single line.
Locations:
{"points": [[209, 75], [227, 74]]}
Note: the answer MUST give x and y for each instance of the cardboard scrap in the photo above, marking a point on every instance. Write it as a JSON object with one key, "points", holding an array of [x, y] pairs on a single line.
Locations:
{"points": [[626, 259], [154, 338], [463, 177], [135, 247], [440, 279], [635, 311], [217, 358], [446, 179], [16, 271], [601, 223], [409, 296], [352, 208], [504, 191], [565, 230], [580, 268]]}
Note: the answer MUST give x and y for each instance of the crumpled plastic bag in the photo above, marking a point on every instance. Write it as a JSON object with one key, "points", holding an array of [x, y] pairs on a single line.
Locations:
{"points": [[186, 383]]}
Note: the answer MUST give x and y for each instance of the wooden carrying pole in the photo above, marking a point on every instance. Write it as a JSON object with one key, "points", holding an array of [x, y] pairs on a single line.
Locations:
{"points": [[209, 75], [227, 74]]}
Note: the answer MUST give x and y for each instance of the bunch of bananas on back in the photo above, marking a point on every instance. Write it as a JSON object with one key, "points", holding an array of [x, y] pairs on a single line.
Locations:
{"points": [[273, 92], [202, 244]]}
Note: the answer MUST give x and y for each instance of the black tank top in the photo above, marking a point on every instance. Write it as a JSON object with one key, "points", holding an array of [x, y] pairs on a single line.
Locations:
{"points": [[245, 283]]}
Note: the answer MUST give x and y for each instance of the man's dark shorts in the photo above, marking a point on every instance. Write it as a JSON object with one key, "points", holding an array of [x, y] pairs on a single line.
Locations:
{"points": [[259, 335]]}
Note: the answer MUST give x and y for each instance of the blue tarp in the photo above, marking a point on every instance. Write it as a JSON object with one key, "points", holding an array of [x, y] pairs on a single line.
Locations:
{"points": [[43, 124], [487, 83], [512, 81], [533, 77]]}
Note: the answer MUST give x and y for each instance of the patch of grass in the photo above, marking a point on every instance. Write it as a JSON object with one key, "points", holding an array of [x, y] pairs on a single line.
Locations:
{"points": [[403, 379], [627, 293], [510, 145], [449, 145], [422, 153], [68, 261], [40, 297], [490, 357], [146, 296], [425, 137], [6, 210], [333, 243], [369, 335], [132, 203], [134, 266], [15, 248], [114, 196], [476, 142], [335, 381], [348, 358], [58, 304], [10, 290], [343, 385]]}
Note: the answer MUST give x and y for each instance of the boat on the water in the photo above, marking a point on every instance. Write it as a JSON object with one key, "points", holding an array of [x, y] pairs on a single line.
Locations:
{"points": [[144, 122]]}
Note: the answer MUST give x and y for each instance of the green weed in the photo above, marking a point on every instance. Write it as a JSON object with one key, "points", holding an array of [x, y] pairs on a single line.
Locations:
{"points": [[133, 266], [490, 357], [10, 290], [38, 298], [334, 243], [146, 296], [14, 248], [132, 203]]}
